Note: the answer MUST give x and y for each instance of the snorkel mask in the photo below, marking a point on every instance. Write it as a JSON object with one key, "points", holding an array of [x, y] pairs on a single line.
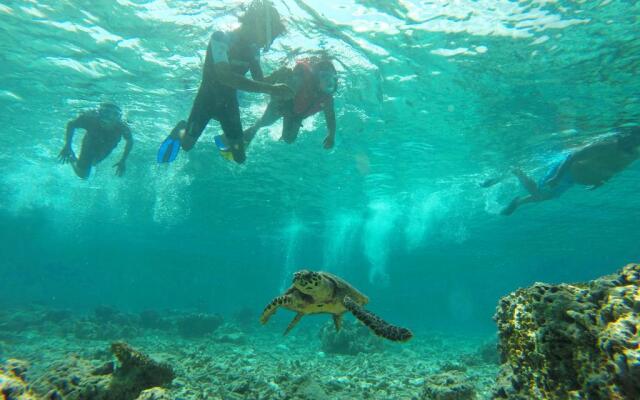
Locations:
{"points": [[110, 113], [327, 79]]}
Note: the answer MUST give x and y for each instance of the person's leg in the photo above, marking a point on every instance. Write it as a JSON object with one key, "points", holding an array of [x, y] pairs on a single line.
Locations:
{"points": [[229, 117], [517, 202], [270, 115], [198, 120], [290, 128], [527, 182]]}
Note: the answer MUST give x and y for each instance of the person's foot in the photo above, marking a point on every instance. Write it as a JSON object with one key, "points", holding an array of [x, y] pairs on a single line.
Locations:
{"points": [[508, 210], [237, 150], [178, 130], [490, 182]]}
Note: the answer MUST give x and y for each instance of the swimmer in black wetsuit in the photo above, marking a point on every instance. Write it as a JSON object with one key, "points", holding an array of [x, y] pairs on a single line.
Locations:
{"points": [[105, 128], [230, 55]]}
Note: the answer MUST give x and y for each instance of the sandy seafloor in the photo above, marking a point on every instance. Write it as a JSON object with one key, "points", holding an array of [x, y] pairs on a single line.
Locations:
{"points": [[257, 363]]}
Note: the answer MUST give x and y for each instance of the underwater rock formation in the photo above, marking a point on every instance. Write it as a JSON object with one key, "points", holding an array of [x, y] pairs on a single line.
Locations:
{"points": [[154, 394], [230, 333], [151, 319], [79, 379], [449, 385], [572, 341], [12, 384], [136, 372], [351, 339], [197, 325], [72, 379]]}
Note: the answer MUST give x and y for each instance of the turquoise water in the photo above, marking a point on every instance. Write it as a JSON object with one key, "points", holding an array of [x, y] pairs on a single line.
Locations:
{"points": [[434, 98]]}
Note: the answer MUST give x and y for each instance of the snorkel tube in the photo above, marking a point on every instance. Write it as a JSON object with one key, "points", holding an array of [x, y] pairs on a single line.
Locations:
{"points": [[267, 6]]}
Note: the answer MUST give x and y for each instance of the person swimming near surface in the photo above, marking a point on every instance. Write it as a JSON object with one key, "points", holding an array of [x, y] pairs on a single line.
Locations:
{"points": [[230, 55], [314, 81], [592, 165], [105, 128]]}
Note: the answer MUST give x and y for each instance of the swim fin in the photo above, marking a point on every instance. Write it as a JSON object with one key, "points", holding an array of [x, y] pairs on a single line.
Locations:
{"points": [[225, 150], [170, 148]]}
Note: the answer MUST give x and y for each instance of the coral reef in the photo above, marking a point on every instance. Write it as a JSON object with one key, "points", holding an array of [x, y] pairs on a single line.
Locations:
{"points": [[80, 379], [12, 384], [151, 319], [136, 372], [351, 339], [197, 325], [449, 385], [154, 394], [572, 341], [230, 333], [72, 379]]}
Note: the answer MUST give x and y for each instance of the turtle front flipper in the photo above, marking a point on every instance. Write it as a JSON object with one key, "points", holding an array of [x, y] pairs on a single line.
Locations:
{"points": [[377, 324], [271, 309], [293, 323]]}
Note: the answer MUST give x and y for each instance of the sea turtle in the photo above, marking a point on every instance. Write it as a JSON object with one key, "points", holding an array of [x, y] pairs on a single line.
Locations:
{"points": [[322, 292]]}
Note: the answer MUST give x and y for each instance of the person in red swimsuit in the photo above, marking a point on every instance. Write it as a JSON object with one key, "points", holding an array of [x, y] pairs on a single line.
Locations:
{"points": [[314, 81]]}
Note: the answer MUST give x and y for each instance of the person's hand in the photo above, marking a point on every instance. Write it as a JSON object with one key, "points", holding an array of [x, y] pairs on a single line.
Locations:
{"points": [[120, 167], [329, 142], [66, 155], [281, 90]]}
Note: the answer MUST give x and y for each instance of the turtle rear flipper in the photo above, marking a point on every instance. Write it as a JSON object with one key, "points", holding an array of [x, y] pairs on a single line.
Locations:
{"points": [[377, 324]]}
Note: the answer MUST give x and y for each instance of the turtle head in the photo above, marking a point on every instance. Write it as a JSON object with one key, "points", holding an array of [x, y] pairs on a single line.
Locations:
{"points": [[306, 281]]}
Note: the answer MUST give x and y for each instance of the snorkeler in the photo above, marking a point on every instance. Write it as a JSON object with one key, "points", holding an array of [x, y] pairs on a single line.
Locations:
{"points": [[592, 166], [314, 81], [230, 55], [104, 128]]}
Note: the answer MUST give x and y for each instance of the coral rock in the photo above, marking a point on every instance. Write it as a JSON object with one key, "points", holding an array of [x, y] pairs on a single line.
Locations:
{"points": [[154, 394], [136, 372], [451, 385], [351, 339], [12, 384], [196, 325], [572, 341]]}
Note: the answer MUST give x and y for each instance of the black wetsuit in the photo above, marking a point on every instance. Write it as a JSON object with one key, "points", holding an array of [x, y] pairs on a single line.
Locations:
{"points": [[100, 138], [216, 100]]}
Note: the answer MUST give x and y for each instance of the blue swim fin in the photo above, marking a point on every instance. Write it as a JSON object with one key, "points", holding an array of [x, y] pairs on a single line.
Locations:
{"points": [[168, 150], [220, 144]]}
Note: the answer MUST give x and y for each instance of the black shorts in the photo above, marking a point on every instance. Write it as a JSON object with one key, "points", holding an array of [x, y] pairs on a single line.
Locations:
{"points": [[219, 103]]}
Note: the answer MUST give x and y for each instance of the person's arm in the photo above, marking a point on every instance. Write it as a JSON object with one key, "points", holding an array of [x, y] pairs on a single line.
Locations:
{"points": [[217, 54], [239, 82], [66, 154], [120, 165], [330, 118], [71, 127], [128, 145], [256, 71], [281, 75]]}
